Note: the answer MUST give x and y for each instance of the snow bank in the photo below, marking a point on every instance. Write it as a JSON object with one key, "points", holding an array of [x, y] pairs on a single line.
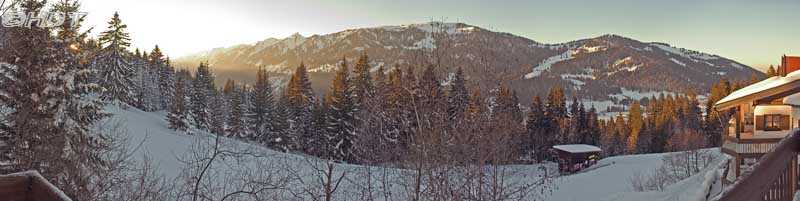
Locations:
{"points": [[694, 188]]}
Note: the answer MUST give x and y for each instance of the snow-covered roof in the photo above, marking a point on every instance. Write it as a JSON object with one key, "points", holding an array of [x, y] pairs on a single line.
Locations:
{"points": [[577, 148], [766, 84], [793, 99]]}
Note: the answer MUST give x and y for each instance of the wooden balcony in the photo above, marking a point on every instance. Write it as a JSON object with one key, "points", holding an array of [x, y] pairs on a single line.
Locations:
{"points": [[748, 144], [774, 177], [28, 186]]}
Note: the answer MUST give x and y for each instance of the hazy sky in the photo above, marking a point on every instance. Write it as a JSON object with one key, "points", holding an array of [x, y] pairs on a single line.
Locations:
{"points": [[756, 33]]}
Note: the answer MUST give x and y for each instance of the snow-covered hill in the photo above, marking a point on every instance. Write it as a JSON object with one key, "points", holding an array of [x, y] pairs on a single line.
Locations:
{"points": [[609, 181]]}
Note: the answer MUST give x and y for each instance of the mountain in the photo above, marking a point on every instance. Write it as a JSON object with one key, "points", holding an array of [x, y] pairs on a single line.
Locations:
{"points": [[607, 70]]}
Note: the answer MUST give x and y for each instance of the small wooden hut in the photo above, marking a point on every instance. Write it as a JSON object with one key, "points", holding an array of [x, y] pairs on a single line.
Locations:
{"points": [[575, 157]]}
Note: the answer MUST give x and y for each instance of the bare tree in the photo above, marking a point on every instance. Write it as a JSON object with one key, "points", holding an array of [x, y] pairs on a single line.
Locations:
{"points": [[220, 169]]}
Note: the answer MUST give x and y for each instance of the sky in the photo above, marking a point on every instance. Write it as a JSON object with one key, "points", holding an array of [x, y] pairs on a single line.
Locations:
{"points": [[756, 33]]}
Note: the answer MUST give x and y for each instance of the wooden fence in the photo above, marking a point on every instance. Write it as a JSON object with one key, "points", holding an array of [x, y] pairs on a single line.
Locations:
{"points": [[28, 186], [774, 177]]}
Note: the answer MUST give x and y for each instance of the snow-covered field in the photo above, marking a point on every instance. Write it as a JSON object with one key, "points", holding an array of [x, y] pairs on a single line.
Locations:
{"points": [[609, 180]]}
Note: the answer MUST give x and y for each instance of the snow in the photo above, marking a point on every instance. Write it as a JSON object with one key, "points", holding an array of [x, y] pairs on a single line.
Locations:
{"points": [[793, 99], [577, 79], [735, 65], [426, 43], [625, 64], [622, 61], [695, 187], [796, 196], [547, 63], [431, 27], [581, 76], [689, 54], [638, 95], [677, 62], [577, 148], [587, 49], [766, 84], [632, 68], [609, 180]]}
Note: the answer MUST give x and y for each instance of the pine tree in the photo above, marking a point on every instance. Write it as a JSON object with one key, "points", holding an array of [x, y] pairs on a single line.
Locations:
{"points": [[235, 125], [116, 37], [635, 126], [408, 91], [508, 105], [178, 117], [281, 137], [69, 30], [217, 113], [114, 69], [48, 111], [713, 119], [363, 88], [397, 101], [340, 119], [262, 105], [202, 91], [556, 110], [457, 98], [535, 126], [301, 102], [771, 71], [593, 130], [165, 76], [620, 140], [556, 103], [573, 134]]}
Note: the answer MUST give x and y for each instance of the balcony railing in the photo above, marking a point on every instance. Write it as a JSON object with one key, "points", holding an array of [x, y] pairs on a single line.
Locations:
{"points": [[28, 186], [774, 177], [749, 145]]}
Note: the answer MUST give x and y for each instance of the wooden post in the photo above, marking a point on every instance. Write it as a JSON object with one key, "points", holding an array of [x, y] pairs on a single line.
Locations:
{"points": [[793, 176], [738, 165], [738, 123]]}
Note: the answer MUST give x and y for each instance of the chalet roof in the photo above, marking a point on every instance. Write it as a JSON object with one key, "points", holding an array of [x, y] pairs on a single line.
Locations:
{"points": [[577, 148], [793, 99], [769, 86]]}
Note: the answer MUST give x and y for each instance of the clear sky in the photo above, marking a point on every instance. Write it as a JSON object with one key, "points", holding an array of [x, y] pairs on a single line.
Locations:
{"points": [[755, 33]]}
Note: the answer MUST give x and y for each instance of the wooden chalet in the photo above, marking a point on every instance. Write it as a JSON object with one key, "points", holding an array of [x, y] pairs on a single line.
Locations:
{"points": [[29, 186], [763, 114], [575, 157]]}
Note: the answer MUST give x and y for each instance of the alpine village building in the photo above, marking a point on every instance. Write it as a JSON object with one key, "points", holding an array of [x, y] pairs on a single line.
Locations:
{"points": [[763, 114]]}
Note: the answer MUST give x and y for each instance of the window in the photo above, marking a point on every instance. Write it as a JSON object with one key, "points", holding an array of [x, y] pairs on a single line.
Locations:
{"points": [[772, 122]]}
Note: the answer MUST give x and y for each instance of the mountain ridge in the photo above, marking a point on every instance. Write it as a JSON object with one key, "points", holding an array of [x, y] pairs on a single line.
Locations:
{"points": [[601, 68]]}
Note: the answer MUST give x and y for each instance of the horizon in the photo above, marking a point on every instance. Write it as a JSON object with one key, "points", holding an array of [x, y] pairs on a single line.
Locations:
{"points": [[724, 28]]}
